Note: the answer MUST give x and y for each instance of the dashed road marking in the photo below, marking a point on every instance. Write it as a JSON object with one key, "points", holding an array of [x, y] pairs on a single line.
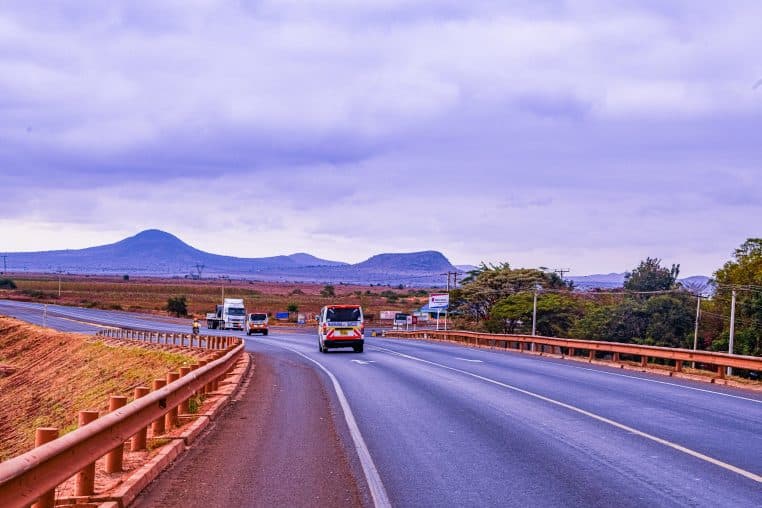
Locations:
{"points": [[468, 360], [747, 474]]}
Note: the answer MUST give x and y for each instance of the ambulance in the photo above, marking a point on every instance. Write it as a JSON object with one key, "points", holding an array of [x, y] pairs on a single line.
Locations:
{"points": [[341, 326]]}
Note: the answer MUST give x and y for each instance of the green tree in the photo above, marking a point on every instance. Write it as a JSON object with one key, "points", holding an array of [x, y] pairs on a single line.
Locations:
{"points": [[556, 314], [177, 305], [651, 276], [292, 307], [7, 284], [744, 273], [328, 291], [489, 284]]}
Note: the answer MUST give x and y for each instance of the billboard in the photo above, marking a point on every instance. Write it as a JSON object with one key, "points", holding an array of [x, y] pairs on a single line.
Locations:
{"points": [[439, 300], [387, 314]]}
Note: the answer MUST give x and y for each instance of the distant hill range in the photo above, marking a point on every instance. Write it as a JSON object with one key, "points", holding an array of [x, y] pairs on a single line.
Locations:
{"points": [[157, 253], [616, 280]]}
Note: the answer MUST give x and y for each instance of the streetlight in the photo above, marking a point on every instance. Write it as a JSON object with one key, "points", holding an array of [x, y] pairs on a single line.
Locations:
{"points": [[732, 328]]}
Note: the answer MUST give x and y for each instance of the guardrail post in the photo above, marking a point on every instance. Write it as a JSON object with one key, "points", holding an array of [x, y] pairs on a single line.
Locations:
{"points": [[138, 441], [615, 357], [44, 435], [171, 417], [114, 457], [185, 404], [720, 372], [678, 365], [85, 482], [157, 427], [591, 355], [571, 351], [643, 361]]}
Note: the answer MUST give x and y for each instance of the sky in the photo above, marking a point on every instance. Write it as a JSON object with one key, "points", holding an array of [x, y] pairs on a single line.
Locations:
{"points": [[575, 134]]}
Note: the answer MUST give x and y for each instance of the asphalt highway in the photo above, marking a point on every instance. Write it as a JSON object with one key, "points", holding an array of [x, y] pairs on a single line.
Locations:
{"points": [[444, 425]]}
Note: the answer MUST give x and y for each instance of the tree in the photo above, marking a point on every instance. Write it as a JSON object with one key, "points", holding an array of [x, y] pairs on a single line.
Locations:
{"points": [[744, 273], [292, 307], [7, 284], [489, 284], [651, 276], [177, 305], [328, 291]]}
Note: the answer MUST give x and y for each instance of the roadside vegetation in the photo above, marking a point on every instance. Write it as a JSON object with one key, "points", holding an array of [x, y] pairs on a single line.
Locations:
{"points": [[653, 308], [52, 375]]}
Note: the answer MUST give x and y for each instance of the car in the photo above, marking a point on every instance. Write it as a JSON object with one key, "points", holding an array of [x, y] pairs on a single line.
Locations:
{"points": [[341, 326], [256, 322]]}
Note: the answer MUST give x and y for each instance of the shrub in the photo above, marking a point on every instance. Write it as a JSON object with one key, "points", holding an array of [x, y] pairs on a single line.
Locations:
{"points": [[292, 307], [177, 305], [7, 284], [328, 291]]}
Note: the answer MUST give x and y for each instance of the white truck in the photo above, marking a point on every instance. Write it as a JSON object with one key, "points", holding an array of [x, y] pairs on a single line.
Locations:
{"points": [[230, 315]]}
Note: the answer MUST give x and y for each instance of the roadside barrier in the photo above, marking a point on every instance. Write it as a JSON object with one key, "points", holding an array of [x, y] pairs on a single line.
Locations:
{"points": [[718, 362], [31, 477]]}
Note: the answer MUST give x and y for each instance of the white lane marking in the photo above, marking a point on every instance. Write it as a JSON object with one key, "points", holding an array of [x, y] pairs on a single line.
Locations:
{"points": [[667, 383], [363, 362], [468, 360], [748, 474], [758, 401], [376, 486]]}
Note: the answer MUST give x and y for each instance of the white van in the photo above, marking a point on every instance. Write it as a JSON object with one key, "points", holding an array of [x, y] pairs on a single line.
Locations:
{"points": [[341, 326]]}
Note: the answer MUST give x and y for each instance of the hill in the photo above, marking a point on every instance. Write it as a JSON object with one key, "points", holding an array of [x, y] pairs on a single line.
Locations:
{"points": [[158, 253]]}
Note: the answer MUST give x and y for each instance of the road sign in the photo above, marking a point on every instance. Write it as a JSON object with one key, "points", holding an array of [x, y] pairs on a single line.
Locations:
{"points": [[439, 300], [387, 314]]}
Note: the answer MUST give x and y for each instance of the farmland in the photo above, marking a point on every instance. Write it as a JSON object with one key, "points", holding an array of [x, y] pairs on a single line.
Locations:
{"points": [[150, 294]]}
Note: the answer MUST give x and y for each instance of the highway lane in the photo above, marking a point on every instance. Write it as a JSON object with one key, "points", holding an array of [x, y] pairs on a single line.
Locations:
{"points": [[443, 437], [447, 425]]}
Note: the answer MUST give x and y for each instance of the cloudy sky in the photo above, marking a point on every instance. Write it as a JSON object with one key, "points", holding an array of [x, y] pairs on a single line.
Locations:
{"points": [[563, 133]]}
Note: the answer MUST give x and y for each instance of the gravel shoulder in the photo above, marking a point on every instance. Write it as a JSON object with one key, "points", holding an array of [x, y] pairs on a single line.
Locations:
{"points": [[276, 445]]}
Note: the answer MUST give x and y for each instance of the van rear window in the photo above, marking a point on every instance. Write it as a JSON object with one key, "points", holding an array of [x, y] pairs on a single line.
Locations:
{"points": [[342, 314], [258, 317]]}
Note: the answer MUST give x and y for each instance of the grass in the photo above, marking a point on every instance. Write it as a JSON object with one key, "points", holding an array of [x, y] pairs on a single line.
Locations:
{"points": [[60, 374]]}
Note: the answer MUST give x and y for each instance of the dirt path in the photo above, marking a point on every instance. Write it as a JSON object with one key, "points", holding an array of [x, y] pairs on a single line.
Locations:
{"points": [[276, 446]]}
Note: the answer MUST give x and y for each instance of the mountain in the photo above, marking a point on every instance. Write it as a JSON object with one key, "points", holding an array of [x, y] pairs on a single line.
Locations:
{"points": [[155, 252], [616, 280], [304, 259], [426, 261]]}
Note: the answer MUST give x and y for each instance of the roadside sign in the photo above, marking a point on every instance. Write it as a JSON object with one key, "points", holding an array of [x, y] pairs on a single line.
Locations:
{"points": [[281, 316], [439, 300], [301, 319], [409, 320], [387, 314]]}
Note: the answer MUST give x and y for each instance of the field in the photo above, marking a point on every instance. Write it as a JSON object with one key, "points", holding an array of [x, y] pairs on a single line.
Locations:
{"points": [[151, 294], [47, 377]]}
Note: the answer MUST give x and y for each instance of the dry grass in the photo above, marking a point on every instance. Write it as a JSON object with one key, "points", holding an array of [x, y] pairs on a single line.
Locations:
{"points": [[59, 374], [146, 294]]}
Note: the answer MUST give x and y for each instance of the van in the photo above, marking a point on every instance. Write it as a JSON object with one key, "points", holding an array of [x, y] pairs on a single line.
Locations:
{"points": [[341, 326], [256, 322]]}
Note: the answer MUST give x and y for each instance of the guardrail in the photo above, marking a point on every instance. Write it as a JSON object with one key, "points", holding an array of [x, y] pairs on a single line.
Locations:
{"points": [[571, 347], [170, 338], [32, 476]]}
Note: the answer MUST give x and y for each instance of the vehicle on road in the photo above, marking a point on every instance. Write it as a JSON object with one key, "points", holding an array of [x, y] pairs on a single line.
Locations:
{"points": [[341, 326], [196, 326], [230, 315], [256, 322]]}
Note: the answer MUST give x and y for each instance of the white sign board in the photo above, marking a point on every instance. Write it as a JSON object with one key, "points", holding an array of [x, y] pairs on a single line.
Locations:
{"points": [[439, 300], [387, 314], [409, 320]]}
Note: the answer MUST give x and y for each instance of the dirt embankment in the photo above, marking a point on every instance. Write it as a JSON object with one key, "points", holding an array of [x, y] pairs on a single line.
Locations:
{"points": [[48, 377]]}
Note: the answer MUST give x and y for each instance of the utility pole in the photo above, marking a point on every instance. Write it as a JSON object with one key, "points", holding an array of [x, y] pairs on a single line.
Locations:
{"points": [[562, 271], [732, 328], [59, 282], [454, 285], [534, 313], [5, 266], [695, 330]]}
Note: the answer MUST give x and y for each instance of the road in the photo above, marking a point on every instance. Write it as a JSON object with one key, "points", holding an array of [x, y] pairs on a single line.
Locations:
{"points": [[444, 425]]}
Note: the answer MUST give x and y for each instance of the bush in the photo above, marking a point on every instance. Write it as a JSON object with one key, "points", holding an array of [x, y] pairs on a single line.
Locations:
{"points": [[328, 291], [177, 305], [125, 277], [7, 284], [292, 307]]}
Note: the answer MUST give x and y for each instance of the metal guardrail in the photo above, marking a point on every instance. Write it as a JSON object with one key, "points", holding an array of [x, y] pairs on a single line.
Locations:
{"points": [[170, 338], [27, 477], [570, 347]]}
